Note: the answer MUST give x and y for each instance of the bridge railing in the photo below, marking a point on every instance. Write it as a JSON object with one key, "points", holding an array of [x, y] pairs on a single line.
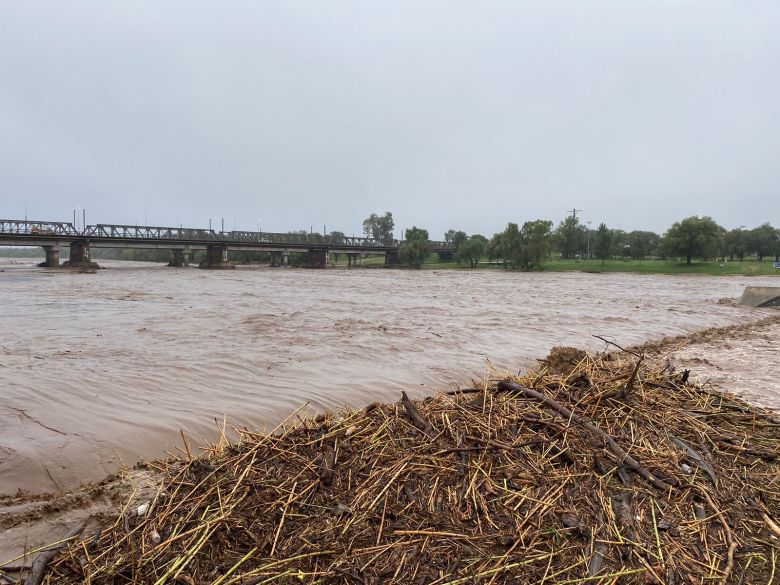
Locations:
{"points": [[37, 228], [135, 232]]}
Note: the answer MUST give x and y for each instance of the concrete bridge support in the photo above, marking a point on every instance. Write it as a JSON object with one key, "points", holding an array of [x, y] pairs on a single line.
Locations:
{"points": [[52, 257], [217, 258], [80, 256], [318, 257], [391, 258], [280, 258], [180, 258], [352, 259]]}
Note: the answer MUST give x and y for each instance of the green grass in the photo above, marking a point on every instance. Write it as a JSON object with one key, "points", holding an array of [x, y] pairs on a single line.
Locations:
{"points": [[745, 268]]}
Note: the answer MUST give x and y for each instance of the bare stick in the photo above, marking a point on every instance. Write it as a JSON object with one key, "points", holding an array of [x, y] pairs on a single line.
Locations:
{"points": [[608, 342]]}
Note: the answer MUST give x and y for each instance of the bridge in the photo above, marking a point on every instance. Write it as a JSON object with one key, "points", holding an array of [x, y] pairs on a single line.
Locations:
{"points": [[52, 236]]}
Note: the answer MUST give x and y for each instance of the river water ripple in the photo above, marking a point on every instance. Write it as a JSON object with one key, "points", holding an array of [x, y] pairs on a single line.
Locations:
{"points": [[98, 367]]}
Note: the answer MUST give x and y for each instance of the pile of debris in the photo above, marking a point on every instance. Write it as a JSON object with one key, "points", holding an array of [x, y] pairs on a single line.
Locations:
{"points": [[611, 470]]}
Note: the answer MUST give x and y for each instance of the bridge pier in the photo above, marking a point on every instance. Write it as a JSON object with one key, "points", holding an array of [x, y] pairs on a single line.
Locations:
{"points": [[52, 257], [318, 257], [391, 258], [80, 256], [352, 259], [179, 258], [217, 258], [285, 258]]}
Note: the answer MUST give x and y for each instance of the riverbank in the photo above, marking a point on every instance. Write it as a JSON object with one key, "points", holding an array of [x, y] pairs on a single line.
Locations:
{"points": [[459, 469], [357, 433]]}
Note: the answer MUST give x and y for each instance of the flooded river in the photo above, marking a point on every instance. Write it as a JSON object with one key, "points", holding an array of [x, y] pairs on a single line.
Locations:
{"points": [[101, 367]]}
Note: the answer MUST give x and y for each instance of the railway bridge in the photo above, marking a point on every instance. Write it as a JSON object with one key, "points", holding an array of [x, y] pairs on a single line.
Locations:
{"points": [[53, 236]]}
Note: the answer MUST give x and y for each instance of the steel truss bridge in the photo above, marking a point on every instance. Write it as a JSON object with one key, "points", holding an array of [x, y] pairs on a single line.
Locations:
{"points": [[53, 235]]}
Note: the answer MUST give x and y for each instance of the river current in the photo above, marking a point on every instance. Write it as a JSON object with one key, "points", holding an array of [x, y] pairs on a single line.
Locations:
{"points": [[99, 369]]}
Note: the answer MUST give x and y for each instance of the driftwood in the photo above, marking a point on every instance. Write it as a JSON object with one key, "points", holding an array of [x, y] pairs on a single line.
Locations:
{"points": [[414, 414], [325, 465], [38, 569], [610, 443]]}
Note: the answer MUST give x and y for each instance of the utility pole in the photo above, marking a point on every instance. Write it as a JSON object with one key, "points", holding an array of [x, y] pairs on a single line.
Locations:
{"points": [[25, 211], [223, 225], [574, 213]]}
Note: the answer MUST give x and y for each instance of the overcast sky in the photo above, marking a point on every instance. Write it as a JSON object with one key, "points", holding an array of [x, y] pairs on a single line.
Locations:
{"points": [[449, 114]]}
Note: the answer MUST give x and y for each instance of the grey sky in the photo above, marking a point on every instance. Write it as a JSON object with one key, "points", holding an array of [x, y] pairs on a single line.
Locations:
{"points": [[448, 114]]}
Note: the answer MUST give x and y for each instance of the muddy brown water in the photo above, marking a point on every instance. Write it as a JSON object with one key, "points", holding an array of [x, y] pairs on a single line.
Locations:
{"points": [[104, 368]]}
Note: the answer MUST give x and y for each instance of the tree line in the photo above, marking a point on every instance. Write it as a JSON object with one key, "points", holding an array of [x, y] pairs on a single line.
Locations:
{"points": [[526, 247]]}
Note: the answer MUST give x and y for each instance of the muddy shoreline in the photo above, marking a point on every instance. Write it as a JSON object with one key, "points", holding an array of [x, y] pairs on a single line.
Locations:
{"points": [[31, 520]]}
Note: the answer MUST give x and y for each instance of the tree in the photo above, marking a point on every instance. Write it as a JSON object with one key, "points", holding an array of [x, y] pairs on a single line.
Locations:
{"points": [[642, 244], [510, 244], [604, 239], [620, 246], [455, 237], [380, 228], [693, 237], [471, 250], [494, 249], [777, 245], [522, 248], [735, 243], [571, 237], [535, 240], [416, 247], [761, 241]]}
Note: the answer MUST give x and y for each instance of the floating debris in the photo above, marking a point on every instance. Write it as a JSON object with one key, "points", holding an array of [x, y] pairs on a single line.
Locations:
{"points": [[613, 470]]}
